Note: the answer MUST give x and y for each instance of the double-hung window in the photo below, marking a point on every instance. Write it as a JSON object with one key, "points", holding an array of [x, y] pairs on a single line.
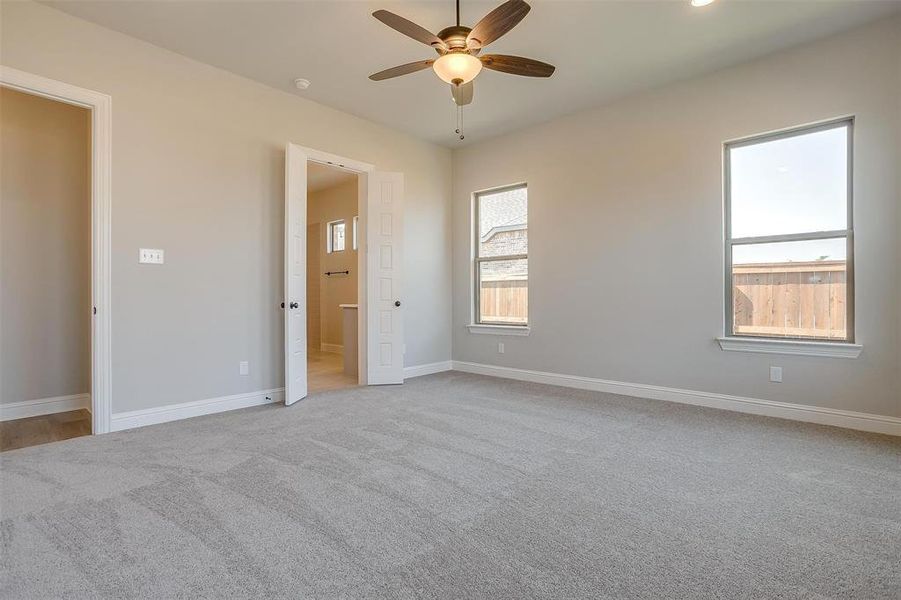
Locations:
{"points": [[501, 249], [789, 234]]}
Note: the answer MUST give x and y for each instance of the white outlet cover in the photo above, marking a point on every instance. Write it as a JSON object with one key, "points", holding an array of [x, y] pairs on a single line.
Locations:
{"points": [[776, 374], [244, 368], [150, 256], [500, 347]]}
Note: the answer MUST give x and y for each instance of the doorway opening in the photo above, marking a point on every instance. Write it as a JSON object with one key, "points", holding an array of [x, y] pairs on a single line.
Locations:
{"points": [[45, 270], [99, 399], [379, 261], [332, 278]]}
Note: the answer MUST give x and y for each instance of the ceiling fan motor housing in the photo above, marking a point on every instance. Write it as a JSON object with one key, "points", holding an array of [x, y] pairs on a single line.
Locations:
{"points": [[455, 37]]}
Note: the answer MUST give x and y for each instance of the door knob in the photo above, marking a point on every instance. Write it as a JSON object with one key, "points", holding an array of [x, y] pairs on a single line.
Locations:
{"points": [[293, 305], [397, 303]]}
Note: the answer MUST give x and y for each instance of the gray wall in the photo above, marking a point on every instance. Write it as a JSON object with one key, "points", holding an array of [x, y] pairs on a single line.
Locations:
{"points": [[198, 170], [45, 248], [619, 192]]}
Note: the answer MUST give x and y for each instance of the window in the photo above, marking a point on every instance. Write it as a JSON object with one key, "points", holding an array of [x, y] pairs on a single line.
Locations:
{"points": [[355, 225], [501, 257], [335, 236], [789, 234]]}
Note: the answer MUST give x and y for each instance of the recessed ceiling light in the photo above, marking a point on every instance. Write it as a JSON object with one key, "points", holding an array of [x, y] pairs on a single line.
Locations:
{"points": [[302, 84], [701, 2]]}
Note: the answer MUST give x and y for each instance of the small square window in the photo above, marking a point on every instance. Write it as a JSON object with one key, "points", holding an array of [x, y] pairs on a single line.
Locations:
{"points": [[335, 236]]}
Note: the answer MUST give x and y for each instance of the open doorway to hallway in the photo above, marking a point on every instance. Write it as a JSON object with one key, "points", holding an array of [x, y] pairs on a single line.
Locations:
{"points": [[332, 277], [45, 270]]}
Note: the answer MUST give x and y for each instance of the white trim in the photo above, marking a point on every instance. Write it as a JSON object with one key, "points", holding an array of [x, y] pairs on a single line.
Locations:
{"points": [[428, 369], [334, 348], [186, 410], [783, 410], [334, 160], [485, 329], [44, 406], [101, 206], [796, 347]]}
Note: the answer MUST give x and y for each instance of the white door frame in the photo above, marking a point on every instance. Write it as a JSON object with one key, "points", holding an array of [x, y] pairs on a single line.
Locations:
{"points": [[100, 106], [361, 169]]}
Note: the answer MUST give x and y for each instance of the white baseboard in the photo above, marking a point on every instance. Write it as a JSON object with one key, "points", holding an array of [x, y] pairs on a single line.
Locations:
{"points": [[186, 410], [44, 406], [427, 369], [335, 348], [769, 408]]}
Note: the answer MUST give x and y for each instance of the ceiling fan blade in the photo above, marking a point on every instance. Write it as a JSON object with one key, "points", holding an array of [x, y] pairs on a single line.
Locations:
{"points": [[462, 94], [410, 29], [496, 23], [401, 70], [516, 65]]}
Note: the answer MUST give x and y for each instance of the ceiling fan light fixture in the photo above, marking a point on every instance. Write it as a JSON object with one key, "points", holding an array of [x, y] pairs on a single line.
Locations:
{"points": [[457, 67], [699, 3]]}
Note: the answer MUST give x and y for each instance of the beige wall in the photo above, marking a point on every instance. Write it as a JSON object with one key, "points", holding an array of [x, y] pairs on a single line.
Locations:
{"points": [[198, 170], [331, 204], [619, 192], [45, 248]]}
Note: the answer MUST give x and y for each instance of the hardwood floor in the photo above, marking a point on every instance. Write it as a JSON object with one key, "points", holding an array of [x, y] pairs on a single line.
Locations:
{"points": [[325, 371], [21, 433]]}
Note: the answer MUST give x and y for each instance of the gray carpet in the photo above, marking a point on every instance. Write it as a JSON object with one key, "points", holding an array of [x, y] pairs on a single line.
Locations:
{"points": [[457, 486]]}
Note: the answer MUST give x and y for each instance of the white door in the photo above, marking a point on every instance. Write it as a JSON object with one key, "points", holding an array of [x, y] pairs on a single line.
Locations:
{"points": [[295, 274], [384, 252]]}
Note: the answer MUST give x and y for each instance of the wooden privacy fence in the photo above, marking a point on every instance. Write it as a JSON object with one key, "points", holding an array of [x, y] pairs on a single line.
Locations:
{"points": [[795, 299], [504, 301], [799, 299]]}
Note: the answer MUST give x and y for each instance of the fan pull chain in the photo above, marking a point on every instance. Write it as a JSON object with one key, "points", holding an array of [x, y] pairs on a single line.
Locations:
{"points": [[459, 129]]}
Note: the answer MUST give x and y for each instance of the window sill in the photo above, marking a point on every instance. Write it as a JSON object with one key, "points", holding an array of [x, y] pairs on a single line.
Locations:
{"points": [[499, 329], [795, 347]]}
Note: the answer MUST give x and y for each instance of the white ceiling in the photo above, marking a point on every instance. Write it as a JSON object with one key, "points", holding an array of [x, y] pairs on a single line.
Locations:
{"points": [[602, 50], [321, 177]]}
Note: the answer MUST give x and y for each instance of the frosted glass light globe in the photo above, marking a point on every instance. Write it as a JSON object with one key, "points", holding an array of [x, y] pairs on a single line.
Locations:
{"points": [[457, 67]]}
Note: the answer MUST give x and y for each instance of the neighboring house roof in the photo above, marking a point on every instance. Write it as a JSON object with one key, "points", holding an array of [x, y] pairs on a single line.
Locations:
{"points": [[500, 229], [502, 209]]}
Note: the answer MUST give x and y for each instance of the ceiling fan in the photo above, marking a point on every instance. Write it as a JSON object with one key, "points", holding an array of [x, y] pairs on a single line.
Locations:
{"points": [[458, 48]]}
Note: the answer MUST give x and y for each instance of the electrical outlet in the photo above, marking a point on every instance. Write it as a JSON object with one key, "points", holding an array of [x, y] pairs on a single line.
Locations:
{"points": [[150, 256], [500, 347], [244, 368], [776, 374]]}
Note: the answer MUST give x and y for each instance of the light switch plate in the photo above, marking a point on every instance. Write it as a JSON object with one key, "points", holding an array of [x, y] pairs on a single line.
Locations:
{"points": [[776, 374], [150, 256], [244, 368]]}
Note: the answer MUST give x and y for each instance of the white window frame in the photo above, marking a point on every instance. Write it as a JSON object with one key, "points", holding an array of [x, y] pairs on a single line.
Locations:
{"points": [[356, 223], [329, 241], [491, 327], [785, 344]]}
